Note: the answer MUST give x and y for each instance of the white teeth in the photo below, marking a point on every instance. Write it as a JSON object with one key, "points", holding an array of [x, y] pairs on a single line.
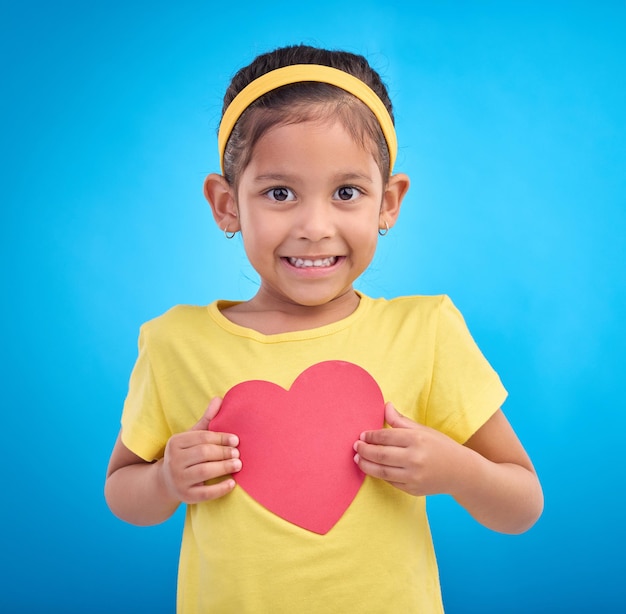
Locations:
{"points": [[320, 262]]}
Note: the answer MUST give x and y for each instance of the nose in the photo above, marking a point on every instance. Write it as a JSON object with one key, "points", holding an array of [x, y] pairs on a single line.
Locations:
{"points": [[315, 220]]}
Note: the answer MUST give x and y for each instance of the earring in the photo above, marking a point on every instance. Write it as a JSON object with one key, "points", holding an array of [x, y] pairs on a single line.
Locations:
{"points": [[229, 235], [382, 232]]}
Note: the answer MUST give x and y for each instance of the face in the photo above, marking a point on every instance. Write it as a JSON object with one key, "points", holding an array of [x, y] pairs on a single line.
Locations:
{"points": [[309, 206]]}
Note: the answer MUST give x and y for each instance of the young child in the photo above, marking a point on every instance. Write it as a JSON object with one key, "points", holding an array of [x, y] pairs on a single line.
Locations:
{"points": [[304, 427]]}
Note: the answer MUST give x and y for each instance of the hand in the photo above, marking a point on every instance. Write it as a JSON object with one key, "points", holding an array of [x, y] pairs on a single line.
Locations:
{"points": [[198, 455], [412, 457]]}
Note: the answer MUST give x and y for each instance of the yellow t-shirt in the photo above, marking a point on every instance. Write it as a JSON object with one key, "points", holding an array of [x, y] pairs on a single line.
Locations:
{"points": [[237, 556]]}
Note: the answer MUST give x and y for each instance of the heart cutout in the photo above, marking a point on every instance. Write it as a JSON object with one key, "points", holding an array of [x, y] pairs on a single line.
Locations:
{"points": [[296, 444]]}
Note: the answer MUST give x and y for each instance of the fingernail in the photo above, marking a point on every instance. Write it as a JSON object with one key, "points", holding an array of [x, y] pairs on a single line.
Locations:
{"points": [[236, 464], [357, 458]]}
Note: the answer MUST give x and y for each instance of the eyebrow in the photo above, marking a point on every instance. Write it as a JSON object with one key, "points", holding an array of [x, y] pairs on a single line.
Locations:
{"points": [[271, 177], [339, 177]]}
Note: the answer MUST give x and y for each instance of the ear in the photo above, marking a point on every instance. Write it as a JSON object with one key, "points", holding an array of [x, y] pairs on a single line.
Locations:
{"points": [[221, 197], [397, 187]]}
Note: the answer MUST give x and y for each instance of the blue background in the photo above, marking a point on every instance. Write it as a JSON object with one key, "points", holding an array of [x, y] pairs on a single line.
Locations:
{"points": [[512, 123]]}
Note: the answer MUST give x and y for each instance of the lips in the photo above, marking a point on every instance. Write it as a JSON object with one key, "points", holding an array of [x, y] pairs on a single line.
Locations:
{"points": [[307, 263]]}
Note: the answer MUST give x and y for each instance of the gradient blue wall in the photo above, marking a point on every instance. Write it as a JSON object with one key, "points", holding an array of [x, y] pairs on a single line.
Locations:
{"points": [[512, 123]]}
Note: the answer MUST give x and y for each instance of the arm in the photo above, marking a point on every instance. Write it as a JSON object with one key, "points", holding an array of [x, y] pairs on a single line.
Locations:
{"points": [[146, 493], [491, 475]]}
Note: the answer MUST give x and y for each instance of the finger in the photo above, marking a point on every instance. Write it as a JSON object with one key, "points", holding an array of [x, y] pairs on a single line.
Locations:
{"points": [[396, 435], [209, 414], [209, 453], [396, 475], [390, 456], [189, 439], [207, 492], [399, 437], [197, 475], [396, 420]]}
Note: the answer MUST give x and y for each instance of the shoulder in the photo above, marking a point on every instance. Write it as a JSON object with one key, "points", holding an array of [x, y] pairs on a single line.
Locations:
{"points": [[178, 322], [417, 306], [434, 316]]}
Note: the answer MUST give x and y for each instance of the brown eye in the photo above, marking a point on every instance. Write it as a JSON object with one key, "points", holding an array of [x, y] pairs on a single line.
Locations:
{"points": [[347, 192], [280, 194]]}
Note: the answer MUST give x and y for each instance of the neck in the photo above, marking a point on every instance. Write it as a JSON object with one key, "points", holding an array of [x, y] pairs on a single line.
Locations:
{"points": [[270, 317]]}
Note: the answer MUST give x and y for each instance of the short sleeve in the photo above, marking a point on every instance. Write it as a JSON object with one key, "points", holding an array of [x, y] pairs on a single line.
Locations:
{"points": [[465, 390], [145, 430]]}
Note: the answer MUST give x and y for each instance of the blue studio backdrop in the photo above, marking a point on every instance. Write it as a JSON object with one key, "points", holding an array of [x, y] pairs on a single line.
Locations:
{"points": [[511, 119]]}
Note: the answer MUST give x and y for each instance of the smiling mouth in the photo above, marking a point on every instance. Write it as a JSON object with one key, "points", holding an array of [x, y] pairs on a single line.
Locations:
{"points": [[305, 263]]}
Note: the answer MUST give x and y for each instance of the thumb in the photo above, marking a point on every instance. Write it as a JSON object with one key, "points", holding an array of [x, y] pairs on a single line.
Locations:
{"points": [[209, 414], [396, 420]]}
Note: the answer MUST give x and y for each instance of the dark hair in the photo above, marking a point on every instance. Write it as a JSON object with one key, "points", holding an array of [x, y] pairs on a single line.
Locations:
{"points": [[306, 101]]}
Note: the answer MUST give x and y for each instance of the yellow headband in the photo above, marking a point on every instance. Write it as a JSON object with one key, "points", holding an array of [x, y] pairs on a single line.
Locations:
{"points": [[298, 73]]}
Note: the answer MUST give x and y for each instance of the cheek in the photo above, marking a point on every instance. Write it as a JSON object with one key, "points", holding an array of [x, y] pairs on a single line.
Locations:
{"points": [[259, 228], [365, 240], [260, 236], [366, 228]]}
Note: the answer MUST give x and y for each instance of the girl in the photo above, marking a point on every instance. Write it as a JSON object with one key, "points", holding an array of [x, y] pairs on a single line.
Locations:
{"points": [[306, 492]]}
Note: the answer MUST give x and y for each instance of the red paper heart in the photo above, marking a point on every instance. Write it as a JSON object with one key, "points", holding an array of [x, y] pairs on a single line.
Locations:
{"points": [[296, 445]]}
